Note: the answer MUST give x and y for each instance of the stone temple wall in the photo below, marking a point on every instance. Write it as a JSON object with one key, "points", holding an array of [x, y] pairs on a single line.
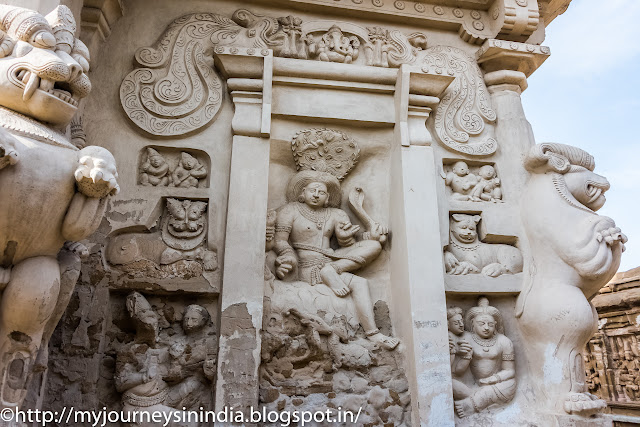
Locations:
{"points": [[293, 205]]}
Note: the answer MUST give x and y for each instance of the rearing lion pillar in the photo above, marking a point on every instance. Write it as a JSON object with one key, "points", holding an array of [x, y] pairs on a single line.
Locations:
{"points": [[51, 193], [574, 252]]}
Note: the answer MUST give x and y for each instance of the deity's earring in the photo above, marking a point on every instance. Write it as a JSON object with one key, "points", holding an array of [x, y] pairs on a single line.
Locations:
{"points": [[301, 198], [326, 203]]}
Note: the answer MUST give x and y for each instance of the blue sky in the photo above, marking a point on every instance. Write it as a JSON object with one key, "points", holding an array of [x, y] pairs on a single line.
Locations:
{"points": [[587, 94]]}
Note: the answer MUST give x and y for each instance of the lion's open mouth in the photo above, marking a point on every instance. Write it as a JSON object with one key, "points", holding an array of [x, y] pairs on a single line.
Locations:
{"points": [[32, 82]]}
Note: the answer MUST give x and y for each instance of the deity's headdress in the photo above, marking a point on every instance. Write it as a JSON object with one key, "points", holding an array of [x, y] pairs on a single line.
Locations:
{"points": [[152, 153], [483, 307], [322, 155]]}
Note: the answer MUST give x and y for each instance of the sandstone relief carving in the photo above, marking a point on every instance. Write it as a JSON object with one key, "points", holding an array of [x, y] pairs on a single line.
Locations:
{"points": [[464, 117], [52, 193], [162, 372], [175, 249], [334, 46], [171, 169], [466, 254], [485, 351], [480, 185], [574, 253], [320, 332]]}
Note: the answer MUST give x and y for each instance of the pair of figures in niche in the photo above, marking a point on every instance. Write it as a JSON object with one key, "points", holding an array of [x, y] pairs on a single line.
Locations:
{"points": [[166, 369], [466, 185], [156, 171], [477, 344]]}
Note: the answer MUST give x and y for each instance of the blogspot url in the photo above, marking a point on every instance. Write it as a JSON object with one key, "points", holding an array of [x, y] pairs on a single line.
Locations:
{"points": [[102, 417]]}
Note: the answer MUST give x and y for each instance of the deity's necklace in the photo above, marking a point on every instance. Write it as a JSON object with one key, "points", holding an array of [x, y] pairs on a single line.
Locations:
{"points": [[485, 343], [318, 217]]}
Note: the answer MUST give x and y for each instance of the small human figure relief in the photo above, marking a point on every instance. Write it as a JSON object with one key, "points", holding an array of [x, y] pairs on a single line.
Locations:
{"points": [[52, 193], [574, 253], [172, 169], [155, 170], [188, 173], [477, 185], [628, 374], [322, 333], [487, 353], [176, 248], [165, 369], [334, 46], [466, 254], [488, 187]]}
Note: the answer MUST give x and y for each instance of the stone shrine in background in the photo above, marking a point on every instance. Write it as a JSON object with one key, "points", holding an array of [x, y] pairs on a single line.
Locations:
{"points": [[319, 205]]}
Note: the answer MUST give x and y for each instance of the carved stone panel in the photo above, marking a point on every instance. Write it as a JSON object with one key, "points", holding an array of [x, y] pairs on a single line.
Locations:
{"points": [[168, 167], [478, 183]]}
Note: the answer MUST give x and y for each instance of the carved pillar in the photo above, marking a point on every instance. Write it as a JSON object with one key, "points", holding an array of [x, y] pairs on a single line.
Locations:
{"points": [[418, 271], [507, 66], [249, 82]]}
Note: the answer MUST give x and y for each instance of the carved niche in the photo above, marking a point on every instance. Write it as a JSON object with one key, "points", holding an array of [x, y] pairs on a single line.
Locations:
{"points": [[323, 340]]}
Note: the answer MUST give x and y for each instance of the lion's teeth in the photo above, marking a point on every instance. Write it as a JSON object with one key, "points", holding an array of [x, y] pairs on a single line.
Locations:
{"points": [[30, 88], [21, 74], [26, 76], [46, 84]]}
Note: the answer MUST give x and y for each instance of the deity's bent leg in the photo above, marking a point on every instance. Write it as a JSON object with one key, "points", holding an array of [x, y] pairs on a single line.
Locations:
{"points": [[366, 250], [27, 303], [485, 396]]}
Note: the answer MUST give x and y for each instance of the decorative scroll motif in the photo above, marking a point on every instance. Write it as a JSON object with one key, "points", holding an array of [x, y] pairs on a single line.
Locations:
{"points": [[176, 90], [325, 150], [464, 118]]}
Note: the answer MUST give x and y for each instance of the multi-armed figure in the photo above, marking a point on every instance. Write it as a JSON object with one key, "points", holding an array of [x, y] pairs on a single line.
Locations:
{"points": [[51, 193]]}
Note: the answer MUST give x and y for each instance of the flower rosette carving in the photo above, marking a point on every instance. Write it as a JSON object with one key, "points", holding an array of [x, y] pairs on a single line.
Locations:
{"points": [[325, 150], [464, 118], [176, 90]]}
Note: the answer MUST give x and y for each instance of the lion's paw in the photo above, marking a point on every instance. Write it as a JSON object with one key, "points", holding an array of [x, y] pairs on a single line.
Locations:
{"points": [[96, 174]]}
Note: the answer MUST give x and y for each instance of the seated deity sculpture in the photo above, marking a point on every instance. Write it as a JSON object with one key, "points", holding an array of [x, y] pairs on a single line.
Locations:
{"points": [[334, 46], [53, 194], [155, 170], [490, 358], [488, 187], [142, 367], [188, 173], [465, 254], [461, 181], [304, 228]]}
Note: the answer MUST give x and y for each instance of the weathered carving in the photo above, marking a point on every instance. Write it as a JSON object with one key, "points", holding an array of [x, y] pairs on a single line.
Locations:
{"points": [[465, 254], [155, 373], [163, 168], [321, 329], [489, 355], [57, 194], [334, 46], [176, 89], [464, 117], [574, 253], [483, 185], [391, 48]]}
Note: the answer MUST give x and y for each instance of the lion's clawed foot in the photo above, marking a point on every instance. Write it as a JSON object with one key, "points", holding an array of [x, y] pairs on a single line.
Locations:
{"points": [[77, 248], [584, 404], [8, 156], [612, 236]]}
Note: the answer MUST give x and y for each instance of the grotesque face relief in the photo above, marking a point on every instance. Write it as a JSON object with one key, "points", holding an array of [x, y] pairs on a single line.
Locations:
{"points": [[43, 65], [194, 319], [587, 187], [461, 169], [484, 325], [463, 227], [456, 324], [315, 195], [184, 224]]}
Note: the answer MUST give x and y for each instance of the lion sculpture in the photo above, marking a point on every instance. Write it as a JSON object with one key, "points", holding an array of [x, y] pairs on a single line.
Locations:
{"points": [[574, 252], [51, 192]]}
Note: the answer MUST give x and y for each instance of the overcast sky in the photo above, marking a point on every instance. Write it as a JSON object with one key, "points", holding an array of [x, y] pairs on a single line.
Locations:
{"points": [[587, 94]]}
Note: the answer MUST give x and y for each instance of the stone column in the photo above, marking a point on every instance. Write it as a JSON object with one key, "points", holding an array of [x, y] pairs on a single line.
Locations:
{"points": [[249, 82], [417, 269], [507, 66]]}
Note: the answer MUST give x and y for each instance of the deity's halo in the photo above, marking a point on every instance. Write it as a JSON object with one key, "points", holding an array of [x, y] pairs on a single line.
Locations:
{"points": [[300, 180], [325, 150]]}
